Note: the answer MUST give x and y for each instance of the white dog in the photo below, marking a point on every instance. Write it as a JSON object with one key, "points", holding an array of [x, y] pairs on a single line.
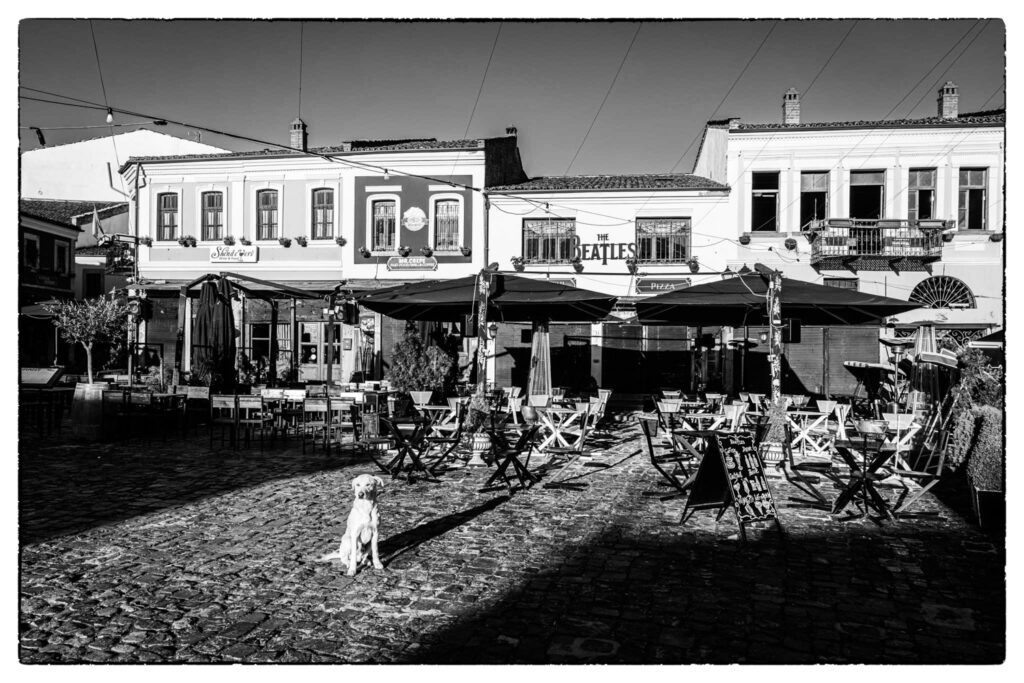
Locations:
{"points": [[359, 543]]}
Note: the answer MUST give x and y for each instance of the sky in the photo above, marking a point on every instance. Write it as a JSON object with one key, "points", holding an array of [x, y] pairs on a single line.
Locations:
{"points": [[587, 97]]}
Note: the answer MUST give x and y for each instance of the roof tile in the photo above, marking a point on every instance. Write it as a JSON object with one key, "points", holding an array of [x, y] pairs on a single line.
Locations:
{"points": [[665, 181], [63, 210]]}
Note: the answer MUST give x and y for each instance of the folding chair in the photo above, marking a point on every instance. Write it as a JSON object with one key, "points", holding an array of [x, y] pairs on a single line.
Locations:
{"points": [[669, 463], [448, 442], [573, 453], [315, 420], [223, 415], [341, 417], [409, 446], [805, 473], [505, 455], [926, 471], [371, 442]]}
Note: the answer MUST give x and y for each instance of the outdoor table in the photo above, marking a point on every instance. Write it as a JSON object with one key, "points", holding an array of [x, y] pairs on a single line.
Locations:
{"points": [[410, 445], [701, 421], [505, 454], [864, 459], [438, 417], [804, 422], [556, 422]]}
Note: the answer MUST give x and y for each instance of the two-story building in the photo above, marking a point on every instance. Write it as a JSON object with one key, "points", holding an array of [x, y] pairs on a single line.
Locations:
{"points": [[364, 214], [911, 209]]}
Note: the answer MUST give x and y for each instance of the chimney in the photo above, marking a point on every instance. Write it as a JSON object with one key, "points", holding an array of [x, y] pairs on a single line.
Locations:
{"points": [[298, 138], [949, 101], [511, 131], [791, 106]]}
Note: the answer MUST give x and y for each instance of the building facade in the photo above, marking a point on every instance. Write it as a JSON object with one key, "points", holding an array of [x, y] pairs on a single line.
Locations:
{"points": [[364, 214]]}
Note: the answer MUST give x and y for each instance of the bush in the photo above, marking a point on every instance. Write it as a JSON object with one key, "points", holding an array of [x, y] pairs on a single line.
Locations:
{"points": [[415, 367], [985, 463], [983, 381], [965, 423]]}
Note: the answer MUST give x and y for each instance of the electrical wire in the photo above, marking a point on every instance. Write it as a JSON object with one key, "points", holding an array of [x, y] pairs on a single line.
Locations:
{"points": [[611, 86], [943, 74], [479, 92], [302, 26]]}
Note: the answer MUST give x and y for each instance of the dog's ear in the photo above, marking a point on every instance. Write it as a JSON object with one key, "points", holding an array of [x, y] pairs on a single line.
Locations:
{"points": [[380, 483], [354, 480]]}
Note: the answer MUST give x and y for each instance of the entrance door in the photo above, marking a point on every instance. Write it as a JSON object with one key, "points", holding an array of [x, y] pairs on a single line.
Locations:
{"points": [[313, 352]]}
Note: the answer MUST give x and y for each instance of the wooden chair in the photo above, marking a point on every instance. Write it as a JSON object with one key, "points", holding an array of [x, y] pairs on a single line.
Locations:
{"points": [[224, 416], [572, 453], [342, 416], [253, 417], [316, 422], [669, 463], [506, 455], [372, 442], [447, 443]]}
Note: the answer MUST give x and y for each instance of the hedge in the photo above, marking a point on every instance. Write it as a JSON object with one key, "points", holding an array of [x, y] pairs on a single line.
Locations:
{"points": [[985, 464]]}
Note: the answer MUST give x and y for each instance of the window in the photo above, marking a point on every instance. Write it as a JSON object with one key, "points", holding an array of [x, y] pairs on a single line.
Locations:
{"points": [[266, 215], [167, 216], [813, 197], [942, 291], [447, 224], [921, 201], [764, 215], [549, 240], [323, 214], [867, 194], [30, 252], [93, 283], [60, 257], [213, 215], [842, 283], [663, 240], [972, 198], [383, 212], [259, 336]]}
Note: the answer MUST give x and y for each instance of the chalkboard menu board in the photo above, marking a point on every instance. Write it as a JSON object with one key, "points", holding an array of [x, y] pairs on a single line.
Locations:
{"points": [[750, 492], [732, 474]]}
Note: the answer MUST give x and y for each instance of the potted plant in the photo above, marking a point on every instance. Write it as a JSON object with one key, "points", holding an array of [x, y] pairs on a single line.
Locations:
{"points": [[519, 263], [245, 242], [632, 264], [948, 236], [88, 322], [996, 237], [419, 370], [693, 264], [404, 250], [426, 251], [744, 239], [985, 469], [466, 251], [187, 241], [340, 241], [302, 241], [146, 241], [365, 252], [229, 240], [284, 241], [770, 447], [477, 418], [790, 243], [577, 264]]}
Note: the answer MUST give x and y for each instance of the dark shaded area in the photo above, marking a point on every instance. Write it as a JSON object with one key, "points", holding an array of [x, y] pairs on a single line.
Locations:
{"points": [[393, 548], [705, 599], [68, 488]]}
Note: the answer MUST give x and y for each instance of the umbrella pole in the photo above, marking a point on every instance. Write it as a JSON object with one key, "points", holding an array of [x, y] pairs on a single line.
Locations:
{"points": [[775, 333], [483, 290]]}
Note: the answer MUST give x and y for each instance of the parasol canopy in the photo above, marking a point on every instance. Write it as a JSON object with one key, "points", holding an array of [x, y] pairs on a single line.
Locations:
{"points": [[213, 337], [742, 300], [512, 299]]}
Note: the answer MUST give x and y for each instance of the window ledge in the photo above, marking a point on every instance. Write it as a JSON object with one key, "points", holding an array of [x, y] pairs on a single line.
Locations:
{"points": [[767, 235]]}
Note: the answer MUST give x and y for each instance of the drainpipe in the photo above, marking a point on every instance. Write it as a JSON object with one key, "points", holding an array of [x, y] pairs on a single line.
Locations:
{"points": [[487, 230]]}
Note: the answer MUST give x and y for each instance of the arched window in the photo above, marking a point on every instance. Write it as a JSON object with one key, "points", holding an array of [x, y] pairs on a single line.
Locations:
{"points": [[943, 291]]}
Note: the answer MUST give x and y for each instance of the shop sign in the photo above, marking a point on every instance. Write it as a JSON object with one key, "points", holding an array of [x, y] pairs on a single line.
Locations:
{"points": [[234, 254], [602, 251], [650, 285], [414, 219], [412, 263]]}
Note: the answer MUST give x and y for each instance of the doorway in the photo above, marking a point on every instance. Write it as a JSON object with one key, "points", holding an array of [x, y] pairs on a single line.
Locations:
{"points": [[313, 351]]}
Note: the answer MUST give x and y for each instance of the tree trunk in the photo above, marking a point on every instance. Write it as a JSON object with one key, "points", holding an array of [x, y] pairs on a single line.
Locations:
{"points": [[88, 360]]}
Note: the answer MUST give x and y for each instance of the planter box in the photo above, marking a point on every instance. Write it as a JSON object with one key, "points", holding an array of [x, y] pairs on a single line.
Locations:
{"points": [[989, 508], [87, 411]]}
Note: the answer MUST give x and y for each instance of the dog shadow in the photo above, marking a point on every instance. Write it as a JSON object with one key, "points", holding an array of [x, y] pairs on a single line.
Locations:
{"points": [[399, 544]]}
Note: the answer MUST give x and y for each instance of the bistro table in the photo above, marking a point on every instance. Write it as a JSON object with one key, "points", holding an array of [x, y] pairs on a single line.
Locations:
{"points": [[701, 422], [411, 444], [865, 458], [438, 417], [558, 422], [804, 422]]}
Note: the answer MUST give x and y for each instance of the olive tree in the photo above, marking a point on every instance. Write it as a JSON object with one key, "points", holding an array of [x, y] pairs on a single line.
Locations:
{"points": [[90, 321]]}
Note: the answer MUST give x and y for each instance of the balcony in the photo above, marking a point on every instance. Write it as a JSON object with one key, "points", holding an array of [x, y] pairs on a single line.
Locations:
{"points": [[885, 244]]}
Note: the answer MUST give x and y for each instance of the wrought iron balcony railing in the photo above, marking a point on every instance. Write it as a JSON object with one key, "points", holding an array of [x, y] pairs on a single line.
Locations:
{"points": [[876, 244]]}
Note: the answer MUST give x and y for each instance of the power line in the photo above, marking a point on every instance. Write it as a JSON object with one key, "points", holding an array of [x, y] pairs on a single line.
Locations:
{"points": [[99, 68], [829, 60], [609, 92], [479, 92], [302, 26], [943, 74]]}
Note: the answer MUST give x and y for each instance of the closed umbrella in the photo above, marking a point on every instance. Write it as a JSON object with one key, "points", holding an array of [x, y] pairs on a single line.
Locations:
{"points": [[202, 349], [222, 338]]}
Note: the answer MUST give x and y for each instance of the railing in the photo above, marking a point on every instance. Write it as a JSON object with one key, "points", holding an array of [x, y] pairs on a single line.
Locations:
{"points": [[849, 238]]}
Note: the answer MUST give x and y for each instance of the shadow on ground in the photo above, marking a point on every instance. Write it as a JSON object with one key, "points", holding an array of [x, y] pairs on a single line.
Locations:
{"points": [[704, 599]]}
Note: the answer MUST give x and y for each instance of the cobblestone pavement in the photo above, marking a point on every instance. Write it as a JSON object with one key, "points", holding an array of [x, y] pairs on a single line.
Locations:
{"points": [[168, 552]]}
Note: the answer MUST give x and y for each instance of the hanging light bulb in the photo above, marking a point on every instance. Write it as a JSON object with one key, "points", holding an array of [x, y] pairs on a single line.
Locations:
{"points": [[110, 115], [387, 176]]}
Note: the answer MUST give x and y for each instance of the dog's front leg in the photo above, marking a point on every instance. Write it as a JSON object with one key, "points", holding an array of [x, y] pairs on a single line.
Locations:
{"points": [[377, 564], [353, 561]]}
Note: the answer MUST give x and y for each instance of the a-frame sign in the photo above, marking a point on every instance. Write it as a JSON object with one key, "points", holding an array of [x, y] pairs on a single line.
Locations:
{"points": [[731, 474]]}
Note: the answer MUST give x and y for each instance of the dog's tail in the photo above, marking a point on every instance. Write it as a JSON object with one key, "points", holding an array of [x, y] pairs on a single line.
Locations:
{"points": [[336, 555]]}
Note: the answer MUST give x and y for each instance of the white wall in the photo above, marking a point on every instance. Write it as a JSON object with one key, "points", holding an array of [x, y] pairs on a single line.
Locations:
{"points": [[83, 170]]}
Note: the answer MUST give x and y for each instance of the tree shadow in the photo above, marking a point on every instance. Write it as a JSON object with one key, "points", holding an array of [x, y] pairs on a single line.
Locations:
{"points": [[703, 598]]}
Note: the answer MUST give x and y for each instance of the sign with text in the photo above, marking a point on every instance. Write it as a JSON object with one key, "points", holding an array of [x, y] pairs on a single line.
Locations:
{"points": [[651, 285], [234, 254], [412, 263]]}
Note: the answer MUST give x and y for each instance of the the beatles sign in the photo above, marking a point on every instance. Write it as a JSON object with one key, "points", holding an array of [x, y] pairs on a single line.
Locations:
{"points": [[603, 251]]}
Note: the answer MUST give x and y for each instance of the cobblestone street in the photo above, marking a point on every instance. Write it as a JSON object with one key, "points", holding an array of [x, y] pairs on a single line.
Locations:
{"points": [[168, 552]]}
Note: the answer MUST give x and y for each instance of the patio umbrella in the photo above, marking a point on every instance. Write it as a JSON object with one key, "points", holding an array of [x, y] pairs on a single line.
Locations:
{"points": [[512, 299], [741, 300], [222, 336], [202, 353]]}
